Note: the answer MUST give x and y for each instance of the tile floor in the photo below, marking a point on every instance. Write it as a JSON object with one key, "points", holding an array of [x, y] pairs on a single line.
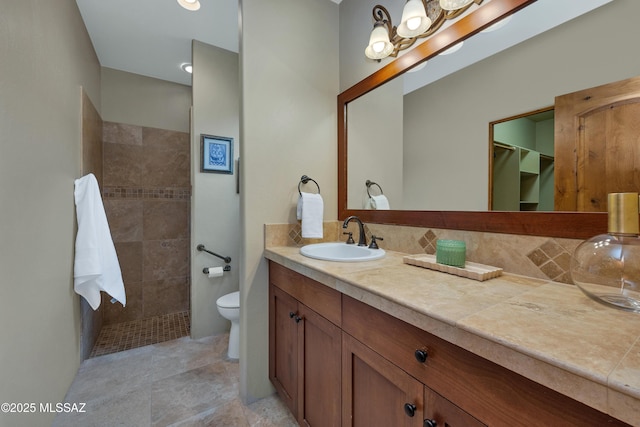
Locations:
{"points": [[183, 382], [138, 333]]}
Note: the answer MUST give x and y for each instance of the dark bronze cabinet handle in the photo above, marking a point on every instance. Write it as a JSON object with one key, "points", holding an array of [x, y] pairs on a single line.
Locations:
{"points": [[409, 409], [430, 423], [421, 355], [295, 317]]}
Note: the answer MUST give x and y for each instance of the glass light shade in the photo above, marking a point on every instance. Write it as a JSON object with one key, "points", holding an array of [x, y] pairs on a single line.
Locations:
{"points": [[192, 5], [454, 4], [414, 20], [607, 267], [452, 49], [501, 23], [379, 45]]}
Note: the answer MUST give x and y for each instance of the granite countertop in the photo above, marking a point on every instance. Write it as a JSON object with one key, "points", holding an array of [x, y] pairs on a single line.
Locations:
{"points": [[546, 331]]}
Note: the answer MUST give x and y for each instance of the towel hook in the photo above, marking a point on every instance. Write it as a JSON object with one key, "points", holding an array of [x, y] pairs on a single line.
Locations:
{"points": [[305, 179], [369, 184]]}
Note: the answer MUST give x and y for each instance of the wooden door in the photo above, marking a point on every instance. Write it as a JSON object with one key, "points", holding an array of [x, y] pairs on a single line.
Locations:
{"points": [[597, 145], [438, 411], [376, 392], [283, 346], [320, 359]]}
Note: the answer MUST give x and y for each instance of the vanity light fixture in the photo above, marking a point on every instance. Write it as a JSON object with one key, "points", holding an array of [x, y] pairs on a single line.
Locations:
{"points": [[191, 5], [454, 4], [187, 67], [420, 19]]}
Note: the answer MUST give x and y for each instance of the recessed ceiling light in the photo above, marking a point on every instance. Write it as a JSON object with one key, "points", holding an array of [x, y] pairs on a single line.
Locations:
{"points": [[187, 67], [190, 4]]}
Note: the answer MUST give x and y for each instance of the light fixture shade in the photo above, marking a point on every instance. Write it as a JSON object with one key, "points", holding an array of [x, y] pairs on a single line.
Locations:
{"points": [[414, 20], [192, 5], [456, 47], [607, 267], [379, 45], [501, 23], [454, 4]]}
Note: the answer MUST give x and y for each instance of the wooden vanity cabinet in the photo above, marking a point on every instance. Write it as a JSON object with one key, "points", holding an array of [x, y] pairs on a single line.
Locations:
{"points": [[375, 392], [305, 346], [336, 361], [474, 386]]}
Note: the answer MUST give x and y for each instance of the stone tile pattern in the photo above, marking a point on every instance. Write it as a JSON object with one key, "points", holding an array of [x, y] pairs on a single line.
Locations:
{"points": [[533, 256], [138, 333], [146, 194], [182, 382]]}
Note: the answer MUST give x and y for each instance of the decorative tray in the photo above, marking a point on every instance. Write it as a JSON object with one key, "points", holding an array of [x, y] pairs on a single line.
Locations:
{"points": [[471, 270]]}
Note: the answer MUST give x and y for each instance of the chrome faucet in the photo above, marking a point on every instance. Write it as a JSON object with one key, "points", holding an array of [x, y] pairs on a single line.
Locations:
{"points": [[362, 239]]}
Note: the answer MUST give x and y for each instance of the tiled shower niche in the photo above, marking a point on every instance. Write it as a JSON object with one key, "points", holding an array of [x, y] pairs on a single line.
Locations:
{"points": [[146, 192]]}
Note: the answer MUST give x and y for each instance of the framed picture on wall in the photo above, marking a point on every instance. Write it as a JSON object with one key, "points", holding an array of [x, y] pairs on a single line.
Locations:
{"points": [[217, 154]]}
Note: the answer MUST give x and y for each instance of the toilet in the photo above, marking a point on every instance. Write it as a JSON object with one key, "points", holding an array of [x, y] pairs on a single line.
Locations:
{"points": [[229, 308]]}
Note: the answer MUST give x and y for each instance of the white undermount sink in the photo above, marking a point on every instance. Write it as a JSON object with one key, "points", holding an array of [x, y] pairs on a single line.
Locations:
{"points": [[341, 252]]}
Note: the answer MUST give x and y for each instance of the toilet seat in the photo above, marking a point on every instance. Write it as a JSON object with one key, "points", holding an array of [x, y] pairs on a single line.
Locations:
{"points": [[231, 300]]}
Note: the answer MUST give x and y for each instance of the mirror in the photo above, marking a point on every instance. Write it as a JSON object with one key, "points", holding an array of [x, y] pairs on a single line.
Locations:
{"points": [[560, 224]]}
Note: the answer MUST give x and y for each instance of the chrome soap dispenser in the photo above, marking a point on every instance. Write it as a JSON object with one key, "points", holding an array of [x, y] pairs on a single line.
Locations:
{"points": [[607, 267]]}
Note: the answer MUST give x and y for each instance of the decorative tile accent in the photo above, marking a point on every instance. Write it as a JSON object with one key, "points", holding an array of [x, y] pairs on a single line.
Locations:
{"points": [[553, 260], [138, 333], [295, 234], [146, 193], [428, 242]]}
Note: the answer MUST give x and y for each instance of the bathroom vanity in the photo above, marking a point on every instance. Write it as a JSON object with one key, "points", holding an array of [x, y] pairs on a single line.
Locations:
{"points": [[389, 344]]}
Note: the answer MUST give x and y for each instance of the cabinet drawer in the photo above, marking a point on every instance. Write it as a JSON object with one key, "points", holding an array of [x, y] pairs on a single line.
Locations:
{"points": [[396, 340], [323, 300], [491, 393]]}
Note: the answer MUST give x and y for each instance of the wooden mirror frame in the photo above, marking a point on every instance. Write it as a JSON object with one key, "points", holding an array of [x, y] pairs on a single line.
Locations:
{"points": [[576, 225]]}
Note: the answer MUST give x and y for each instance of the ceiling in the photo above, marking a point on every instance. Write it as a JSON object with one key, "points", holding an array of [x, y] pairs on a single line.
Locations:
{"points": [[153, 37]]}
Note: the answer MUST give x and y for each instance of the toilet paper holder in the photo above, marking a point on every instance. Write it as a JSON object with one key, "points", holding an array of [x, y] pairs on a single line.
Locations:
{"points": [[225, 268]]}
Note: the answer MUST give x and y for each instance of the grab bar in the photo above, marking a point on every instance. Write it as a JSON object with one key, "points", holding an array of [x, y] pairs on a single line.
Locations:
{"points": [[369, 184], [306, 179], [201, 248]]}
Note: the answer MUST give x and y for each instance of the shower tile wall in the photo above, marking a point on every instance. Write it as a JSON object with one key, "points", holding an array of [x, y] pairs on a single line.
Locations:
{"points": [[146, 194]]}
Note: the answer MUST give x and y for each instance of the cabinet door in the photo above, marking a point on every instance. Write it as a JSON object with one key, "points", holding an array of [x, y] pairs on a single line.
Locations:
{"points": [[376, 392], [283, 346], [319, 390], [439, 412]]}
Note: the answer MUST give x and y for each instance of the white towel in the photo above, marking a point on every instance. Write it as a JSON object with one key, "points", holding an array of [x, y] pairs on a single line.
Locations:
{"points": [[380, 202], [367, 203], [311, 210], [96, 266]]}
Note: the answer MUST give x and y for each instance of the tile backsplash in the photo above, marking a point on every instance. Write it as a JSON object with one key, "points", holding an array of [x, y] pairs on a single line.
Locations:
{"points": [[533, 256]]}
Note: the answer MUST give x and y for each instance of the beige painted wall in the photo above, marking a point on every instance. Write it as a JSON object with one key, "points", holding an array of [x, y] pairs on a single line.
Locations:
{"points": [[289, 66], [215, 210], [46, 57], [144, 101]]}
